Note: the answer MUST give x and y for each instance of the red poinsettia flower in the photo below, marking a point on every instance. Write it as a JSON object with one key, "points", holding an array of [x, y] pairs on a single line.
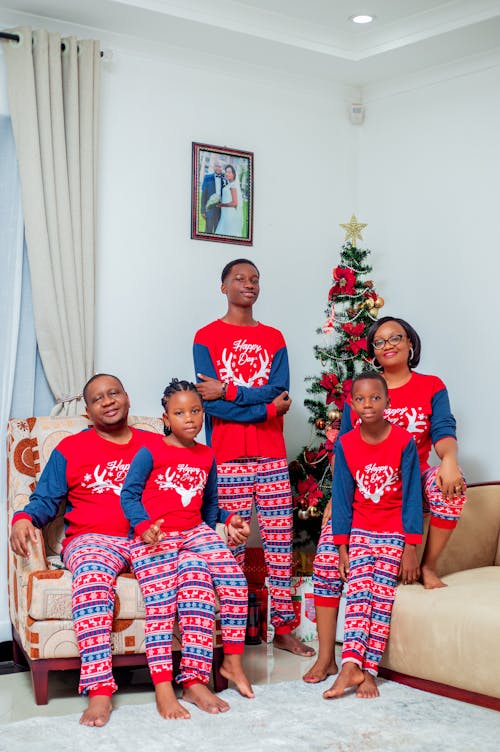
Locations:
{"points": [[344, 282], [330, 384], [354, 330], [309, 493], [355, 345], [314, 456]]}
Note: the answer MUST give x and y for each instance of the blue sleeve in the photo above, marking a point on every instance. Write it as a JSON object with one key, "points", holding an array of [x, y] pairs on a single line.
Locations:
{"points": [[346, 422], [51, 490], [443, 424], [342, 494], [225, 409], [210, 506], [279, 381], [412, 515], [135, 482]]}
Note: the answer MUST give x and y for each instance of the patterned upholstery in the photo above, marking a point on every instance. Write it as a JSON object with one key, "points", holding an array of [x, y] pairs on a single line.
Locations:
{"points": [[40, 586]]}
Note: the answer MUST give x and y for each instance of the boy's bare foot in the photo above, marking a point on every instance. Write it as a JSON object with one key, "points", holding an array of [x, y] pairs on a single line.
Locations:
{"points": [[232, 669], [430, 579], [368, 687], [293, 645], [204, 699], [98, 711], [350, 676], [320, 670], [167, 703]]}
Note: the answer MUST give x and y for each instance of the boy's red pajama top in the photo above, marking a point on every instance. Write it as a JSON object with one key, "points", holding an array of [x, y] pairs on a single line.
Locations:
{"points": [[422, 407], [87, 472], [253, 361], [377, 487]]}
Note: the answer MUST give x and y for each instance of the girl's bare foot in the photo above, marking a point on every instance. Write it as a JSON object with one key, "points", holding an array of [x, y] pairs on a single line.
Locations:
{"points": [[320, 670], [167, 703], [350, 676], [204, 699], [293, 645], [98, 711], [368, 687], [430, 579], [232, 669]]}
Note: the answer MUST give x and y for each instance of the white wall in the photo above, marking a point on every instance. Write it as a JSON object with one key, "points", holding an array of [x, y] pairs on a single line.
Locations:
{"points": [[429, 187]]}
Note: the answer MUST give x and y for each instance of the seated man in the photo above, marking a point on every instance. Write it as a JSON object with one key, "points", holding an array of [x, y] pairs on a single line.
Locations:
{"points": [[87, 471]]}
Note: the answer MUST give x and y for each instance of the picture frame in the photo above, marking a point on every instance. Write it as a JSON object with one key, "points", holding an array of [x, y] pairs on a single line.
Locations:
{"points": [[222, 194]]}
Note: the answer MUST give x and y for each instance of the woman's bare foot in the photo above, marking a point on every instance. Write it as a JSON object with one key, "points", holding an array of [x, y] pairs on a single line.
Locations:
{"points": [[368, 687], [200, 695], [167, 703], [98, 711], [232, 669], [293, 645], [430, 580], [350, 676], [320, 670]]}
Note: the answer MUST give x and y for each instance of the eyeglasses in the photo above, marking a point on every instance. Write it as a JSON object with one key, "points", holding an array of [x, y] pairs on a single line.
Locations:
{"points": [[394, 339]]}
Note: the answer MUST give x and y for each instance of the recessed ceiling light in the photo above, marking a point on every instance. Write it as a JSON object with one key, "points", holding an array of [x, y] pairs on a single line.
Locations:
{"points": [[362, 19]]}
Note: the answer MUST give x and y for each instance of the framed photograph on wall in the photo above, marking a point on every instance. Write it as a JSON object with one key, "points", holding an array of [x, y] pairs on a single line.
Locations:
{"points": [[222, 194]]}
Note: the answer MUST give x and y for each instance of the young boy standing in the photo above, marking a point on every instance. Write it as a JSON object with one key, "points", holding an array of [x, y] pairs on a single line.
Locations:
{"points": [[242, 367], [376, 522]]}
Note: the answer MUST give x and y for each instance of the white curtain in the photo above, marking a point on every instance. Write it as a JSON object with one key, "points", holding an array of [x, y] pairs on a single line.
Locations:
{"points": [[53, 100], [11, 245]]}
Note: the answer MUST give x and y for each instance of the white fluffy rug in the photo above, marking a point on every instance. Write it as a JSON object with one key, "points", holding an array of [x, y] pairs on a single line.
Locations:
{"points": [[286, 716]]}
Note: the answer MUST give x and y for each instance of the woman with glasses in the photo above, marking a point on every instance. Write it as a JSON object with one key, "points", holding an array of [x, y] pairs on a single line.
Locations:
{"points": [[419, 403]]}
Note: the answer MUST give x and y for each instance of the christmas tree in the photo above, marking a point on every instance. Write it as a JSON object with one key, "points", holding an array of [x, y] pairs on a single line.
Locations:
{"points": [[353, 306]]}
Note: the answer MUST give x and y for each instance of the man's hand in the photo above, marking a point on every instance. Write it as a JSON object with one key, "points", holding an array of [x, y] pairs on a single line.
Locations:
{"points": [[154, 533], [282, 403], [23, 533], [327, 514], [238, 530], [210, 389]]}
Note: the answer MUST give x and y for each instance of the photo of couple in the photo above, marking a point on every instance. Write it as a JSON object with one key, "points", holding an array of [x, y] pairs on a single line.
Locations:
{"points": [[222, 194]]}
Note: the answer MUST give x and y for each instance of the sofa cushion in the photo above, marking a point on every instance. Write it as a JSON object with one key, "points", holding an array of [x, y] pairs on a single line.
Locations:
{"points": [[449, 635]]}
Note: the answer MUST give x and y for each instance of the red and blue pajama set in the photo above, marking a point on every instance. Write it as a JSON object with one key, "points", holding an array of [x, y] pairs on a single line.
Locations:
{"points": [[179, 486], [422, 407], [86, 472], [246, 435], [378, 508]]}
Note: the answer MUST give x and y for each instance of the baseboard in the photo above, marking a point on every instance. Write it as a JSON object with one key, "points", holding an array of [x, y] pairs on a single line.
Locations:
{"points": [[445, 690]]}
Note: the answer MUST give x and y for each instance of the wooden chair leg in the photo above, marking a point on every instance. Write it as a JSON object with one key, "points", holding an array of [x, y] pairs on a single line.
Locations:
{"points": [[40, 681], [219, 681]]}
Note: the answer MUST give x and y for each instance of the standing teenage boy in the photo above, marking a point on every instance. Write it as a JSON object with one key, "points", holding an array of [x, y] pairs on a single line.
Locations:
{"points": [[242, 369]]}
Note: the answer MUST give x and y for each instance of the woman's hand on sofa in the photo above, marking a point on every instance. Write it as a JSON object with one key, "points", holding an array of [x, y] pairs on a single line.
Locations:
{"points": [[409, 570], [23, 533]]}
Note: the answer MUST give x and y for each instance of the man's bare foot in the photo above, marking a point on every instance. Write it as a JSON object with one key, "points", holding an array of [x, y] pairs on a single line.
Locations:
{"points": [[368, 687], [293, 645], [350, 676], [98, 711], [320, 670], [167, 703], [204, 699], [430, 580], [232, 669]]}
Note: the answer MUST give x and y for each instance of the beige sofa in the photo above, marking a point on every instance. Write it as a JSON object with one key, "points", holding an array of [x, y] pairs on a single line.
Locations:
{"points": [[447, 640], [40, 587]]}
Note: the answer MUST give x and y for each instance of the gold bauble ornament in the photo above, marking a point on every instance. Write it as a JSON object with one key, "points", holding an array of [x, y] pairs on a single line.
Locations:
{"points": [[368, 283], [314, 512], [369, 304], [320, 424], [303, 514], [334, 415], [379, 302]]}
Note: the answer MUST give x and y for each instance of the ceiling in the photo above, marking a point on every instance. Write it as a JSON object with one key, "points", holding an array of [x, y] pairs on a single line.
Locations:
{"points": [[304, 38]]}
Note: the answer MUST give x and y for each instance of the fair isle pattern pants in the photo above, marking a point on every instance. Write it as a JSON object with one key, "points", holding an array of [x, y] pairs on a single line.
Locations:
{"points": [[267, 481], [371, 588], [444, 513], [158, 571], [95, 561]]}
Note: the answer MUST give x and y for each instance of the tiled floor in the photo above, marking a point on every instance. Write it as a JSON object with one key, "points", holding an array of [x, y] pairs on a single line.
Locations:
{"points": [[263, 664]]}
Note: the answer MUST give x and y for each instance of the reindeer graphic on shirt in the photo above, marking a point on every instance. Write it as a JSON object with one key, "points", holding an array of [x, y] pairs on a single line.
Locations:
{"points": [[246, 364], [185, 480], [110, 478], [374, 480]]}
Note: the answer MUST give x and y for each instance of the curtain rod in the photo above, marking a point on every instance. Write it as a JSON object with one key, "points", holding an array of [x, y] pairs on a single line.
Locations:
{"points": [[17, 38]]}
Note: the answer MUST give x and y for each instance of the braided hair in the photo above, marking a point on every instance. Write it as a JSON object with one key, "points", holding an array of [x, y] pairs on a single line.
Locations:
{"points": [[174, 387]]}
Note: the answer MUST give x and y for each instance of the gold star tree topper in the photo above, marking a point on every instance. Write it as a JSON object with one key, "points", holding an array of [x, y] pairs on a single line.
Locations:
{"points": [[353, 230]]}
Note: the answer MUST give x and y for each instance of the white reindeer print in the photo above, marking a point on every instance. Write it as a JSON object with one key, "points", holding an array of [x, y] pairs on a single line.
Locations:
{"points": [[227, 373], [378, 491], [186, 494]]}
